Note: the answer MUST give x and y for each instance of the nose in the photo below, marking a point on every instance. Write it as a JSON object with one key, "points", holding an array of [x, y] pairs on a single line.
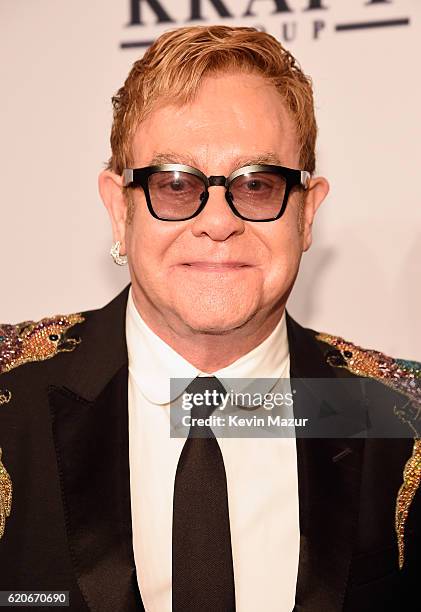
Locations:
{"points": [[217, 219]]}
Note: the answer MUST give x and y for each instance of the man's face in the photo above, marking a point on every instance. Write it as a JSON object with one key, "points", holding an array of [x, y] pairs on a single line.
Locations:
{"points": [[216, 272]]}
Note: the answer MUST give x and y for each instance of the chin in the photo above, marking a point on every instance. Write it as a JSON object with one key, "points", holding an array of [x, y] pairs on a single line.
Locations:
{"points": [[217, 312], [217, 325]]}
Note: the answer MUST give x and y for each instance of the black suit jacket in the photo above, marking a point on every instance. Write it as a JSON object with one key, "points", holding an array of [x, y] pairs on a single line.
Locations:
{"points": [[64, 435]]}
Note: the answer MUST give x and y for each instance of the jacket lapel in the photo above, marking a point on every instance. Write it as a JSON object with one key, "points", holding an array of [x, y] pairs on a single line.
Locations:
{"points": [[329, 477], [89, 415]]}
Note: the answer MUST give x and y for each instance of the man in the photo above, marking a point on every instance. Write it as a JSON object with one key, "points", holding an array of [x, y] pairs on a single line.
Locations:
{"points": [[212, 196]]}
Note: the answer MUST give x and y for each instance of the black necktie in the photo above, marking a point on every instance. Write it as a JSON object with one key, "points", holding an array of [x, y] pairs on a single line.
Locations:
{"points": [[202, 570]]}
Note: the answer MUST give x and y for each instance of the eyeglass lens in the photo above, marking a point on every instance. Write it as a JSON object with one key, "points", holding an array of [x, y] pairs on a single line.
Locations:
{"points": [[177, 195]]}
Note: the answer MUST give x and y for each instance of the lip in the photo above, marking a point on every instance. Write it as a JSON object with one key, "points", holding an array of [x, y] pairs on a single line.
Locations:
{"points": [[216, 266]]}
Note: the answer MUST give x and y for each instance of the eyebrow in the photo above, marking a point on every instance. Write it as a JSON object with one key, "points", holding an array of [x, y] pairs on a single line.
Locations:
{"points": [[261, 158], [170, 157]]}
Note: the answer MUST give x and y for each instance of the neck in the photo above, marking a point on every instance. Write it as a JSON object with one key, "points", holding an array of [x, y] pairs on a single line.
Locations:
{"points": [[205, 350]]}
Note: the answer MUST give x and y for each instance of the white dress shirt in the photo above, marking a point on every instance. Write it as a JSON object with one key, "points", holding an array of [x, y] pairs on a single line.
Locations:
{"points": [[261, 474]]}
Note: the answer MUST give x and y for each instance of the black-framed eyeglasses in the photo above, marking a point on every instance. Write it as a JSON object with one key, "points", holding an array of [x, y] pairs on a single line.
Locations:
{"points": [[176, 192]]}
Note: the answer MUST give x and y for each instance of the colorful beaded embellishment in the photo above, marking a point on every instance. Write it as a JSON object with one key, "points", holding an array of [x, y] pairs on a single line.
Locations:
{"points": [[23, 343], [404, 377], [406, 493], [5, 396], [401, 375], [36, 341], [5, 496]]}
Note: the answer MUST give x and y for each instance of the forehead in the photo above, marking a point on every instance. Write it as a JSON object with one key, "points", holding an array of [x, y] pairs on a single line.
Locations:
{"points": [[234, 117]]}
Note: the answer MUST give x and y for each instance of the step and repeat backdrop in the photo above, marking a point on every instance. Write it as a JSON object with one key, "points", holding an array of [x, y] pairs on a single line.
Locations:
{"points": [[61, 63]]}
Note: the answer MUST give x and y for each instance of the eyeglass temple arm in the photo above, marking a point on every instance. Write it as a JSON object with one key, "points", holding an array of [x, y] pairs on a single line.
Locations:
{"points": [[127, 176]]}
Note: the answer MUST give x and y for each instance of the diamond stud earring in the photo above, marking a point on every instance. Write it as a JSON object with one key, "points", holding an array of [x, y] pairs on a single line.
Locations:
{"points": [[120, 260]]}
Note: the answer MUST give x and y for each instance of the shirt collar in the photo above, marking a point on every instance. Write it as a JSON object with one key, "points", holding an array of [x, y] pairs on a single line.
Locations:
{"points": [[152, 362]]}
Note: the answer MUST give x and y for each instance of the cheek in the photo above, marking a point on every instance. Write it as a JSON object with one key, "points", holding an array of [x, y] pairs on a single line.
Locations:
{"points": [[148, 242], [140, 244], [285, 251]]}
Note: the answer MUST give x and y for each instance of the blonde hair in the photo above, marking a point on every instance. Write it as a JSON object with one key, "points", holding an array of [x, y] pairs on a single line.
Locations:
{"points": [[173, 67]]}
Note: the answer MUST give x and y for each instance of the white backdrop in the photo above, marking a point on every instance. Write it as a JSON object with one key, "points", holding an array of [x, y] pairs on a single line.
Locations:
{"points": [[61, 63]]}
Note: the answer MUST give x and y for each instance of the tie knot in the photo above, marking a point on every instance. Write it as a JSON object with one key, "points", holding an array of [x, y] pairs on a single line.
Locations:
{"points": [[206, 395]]}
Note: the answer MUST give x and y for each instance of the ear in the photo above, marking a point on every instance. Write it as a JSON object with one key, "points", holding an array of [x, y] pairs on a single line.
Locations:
{"points": [[314, 195], [110, 187]]}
